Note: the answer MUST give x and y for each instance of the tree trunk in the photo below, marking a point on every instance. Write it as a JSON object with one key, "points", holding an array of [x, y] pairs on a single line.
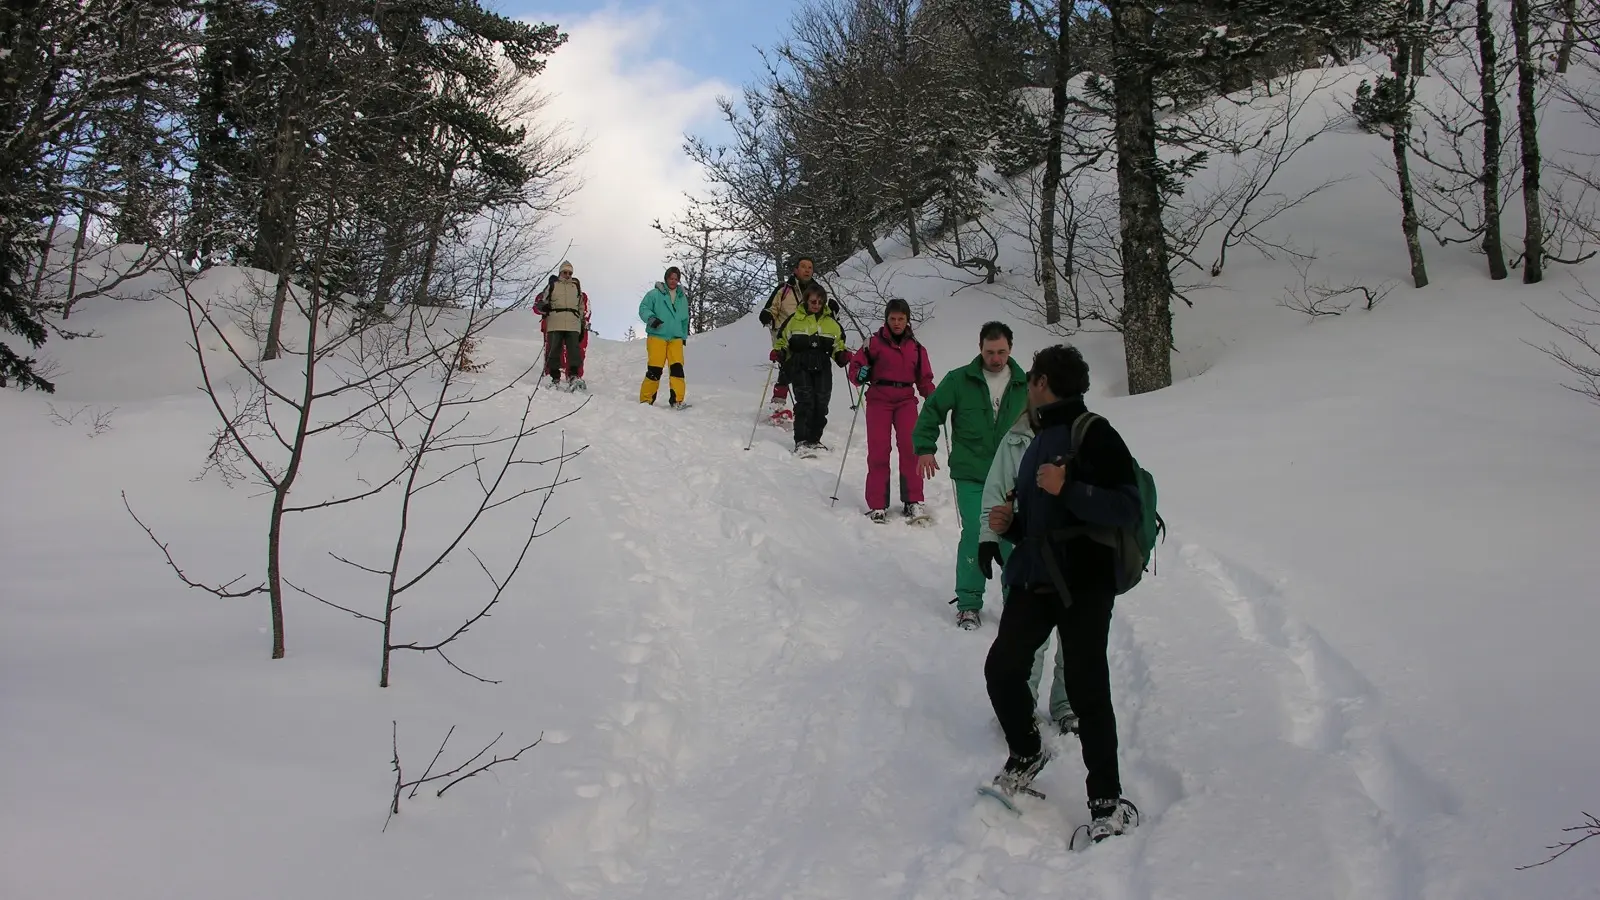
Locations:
{"points": [[1416, 17], [1052, 166], [388, 270], [1528, 125], [911, 230], [869, 245], [275, 225], [1146, 288], [85, 215], [429, 259], [1401, 65], [1489, 85], [1569, 35]]}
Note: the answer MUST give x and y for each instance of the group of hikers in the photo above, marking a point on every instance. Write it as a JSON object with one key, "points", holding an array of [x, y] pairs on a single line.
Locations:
{"points": [[1045, 490]]}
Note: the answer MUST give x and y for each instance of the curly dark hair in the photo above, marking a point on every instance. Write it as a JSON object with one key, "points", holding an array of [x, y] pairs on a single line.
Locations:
{"points": [[1063, 369]]}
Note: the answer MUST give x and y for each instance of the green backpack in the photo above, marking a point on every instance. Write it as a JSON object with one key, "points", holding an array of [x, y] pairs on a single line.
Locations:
{"points": [[1136, 545]]}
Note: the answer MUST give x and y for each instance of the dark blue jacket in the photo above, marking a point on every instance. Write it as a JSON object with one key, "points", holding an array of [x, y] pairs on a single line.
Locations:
{"points": [[1100, 490]]}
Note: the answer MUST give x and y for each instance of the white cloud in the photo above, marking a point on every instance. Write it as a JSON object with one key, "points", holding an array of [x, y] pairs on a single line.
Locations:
{"points": [[618, 85]]}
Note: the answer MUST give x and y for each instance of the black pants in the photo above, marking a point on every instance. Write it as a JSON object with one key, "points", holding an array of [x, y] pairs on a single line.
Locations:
{"points": [[553, 343], [813, 389], [1084, 627]]}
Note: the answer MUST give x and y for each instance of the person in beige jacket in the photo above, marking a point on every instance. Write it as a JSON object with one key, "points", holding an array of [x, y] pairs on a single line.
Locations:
{"points": [[565, 308]]}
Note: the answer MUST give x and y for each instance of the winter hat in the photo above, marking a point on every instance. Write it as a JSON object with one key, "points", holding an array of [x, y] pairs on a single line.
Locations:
{"points": [[565, 267]]}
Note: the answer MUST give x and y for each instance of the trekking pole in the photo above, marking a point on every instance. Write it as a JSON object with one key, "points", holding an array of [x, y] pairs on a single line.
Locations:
{"points": [[860, 401], [760, 402]]}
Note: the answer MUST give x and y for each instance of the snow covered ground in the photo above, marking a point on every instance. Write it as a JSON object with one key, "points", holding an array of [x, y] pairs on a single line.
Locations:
{"points": [[1364, 668]]}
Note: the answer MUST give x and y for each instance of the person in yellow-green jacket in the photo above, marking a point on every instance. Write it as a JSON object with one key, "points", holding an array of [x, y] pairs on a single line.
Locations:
{"points": [[982, 399], [809, 341]]}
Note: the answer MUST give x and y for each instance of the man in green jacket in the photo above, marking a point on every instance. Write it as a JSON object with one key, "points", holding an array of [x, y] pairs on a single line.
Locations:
{"points": [[982, 399]]}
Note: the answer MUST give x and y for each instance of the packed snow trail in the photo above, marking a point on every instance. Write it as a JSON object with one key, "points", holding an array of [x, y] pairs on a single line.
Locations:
{"points": [[803, 720]]}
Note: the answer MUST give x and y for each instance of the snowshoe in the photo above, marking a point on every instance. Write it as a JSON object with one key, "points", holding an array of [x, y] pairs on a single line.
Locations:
{"points": [[917, 514], [1110, 818], [805, 451], [681, 406], [576, 384], [1016, 778], [878, 516], [781, 418], [1068, 724], [968, 619]]}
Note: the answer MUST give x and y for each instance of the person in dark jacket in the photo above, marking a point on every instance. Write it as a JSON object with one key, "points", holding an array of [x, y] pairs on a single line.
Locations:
{"points": [[1057, 579]]}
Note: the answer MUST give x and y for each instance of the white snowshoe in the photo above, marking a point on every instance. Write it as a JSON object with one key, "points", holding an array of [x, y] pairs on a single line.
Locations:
{"points": [[1110, 819], [917, 514], [1016, 778]]}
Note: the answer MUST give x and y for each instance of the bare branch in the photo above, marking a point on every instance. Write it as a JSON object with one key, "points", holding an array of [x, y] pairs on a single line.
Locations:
{"points": [[224, 591], [300, 590], [1590, 828]]}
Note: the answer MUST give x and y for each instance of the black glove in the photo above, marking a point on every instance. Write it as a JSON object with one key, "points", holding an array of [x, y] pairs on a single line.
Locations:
{"points": [[988, 554], [654, 322], [841, 359], [765, 318]]}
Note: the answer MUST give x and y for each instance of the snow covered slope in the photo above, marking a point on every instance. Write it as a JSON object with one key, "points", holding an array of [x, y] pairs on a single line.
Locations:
{"points": [[1362, 670]]}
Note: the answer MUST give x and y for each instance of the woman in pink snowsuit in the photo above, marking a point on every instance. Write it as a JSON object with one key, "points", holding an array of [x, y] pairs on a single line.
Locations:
{"points": [[895, 367]]}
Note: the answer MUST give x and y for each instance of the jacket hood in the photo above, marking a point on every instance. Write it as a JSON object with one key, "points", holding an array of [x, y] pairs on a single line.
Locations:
{"points": [[888, 336], [1022, 426]]}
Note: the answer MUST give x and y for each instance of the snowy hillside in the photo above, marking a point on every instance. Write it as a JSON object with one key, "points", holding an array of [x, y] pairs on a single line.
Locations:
{"points": [[1362, 670]]}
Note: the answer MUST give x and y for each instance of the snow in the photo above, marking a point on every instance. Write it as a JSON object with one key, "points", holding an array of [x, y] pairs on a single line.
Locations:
{"points": [[1362, 668]]}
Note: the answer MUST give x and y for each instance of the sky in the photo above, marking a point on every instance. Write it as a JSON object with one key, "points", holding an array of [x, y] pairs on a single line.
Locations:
{"points": [[632, 80]]}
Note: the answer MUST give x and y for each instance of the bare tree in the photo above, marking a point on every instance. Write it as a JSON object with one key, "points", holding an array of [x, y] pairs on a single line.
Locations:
{"points": [[1582, 361], [434, 436], [456, 775], [1528, 130], [1320, 298]]}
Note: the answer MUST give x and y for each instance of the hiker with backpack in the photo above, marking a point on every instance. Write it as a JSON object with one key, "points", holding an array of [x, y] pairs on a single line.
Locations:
{"points": [[781, 304], [982, 399], [999, 489], [810, 339], [665, 314], [893, 368], [563, 310], [1082, 523]]}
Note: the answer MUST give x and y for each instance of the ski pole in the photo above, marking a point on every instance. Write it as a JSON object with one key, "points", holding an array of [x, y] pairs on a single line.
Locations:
{"points": [[760, 401], [860, 400]]}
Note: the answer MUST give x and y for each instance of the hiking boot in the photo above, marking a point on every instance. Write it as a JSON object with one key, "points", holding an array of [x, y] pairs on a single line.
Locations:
{"points": [[967, 619], [878, 516], [915, 512], [1018, 774], [1110, 817], [679, 404], [576, 384], [1068, 723]]}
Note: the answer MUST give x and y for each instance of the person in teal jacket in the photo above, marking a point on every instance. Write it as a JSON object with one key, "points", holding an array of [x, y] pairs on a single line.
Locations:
{"points": [[665, 314], [998, 490], [981, 399]]}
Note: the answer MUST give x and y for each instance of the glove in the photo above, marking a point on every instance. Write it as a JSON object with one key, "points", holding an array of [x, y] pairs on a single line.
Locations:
{"points": [[863, 375], [775, 356], [988, 554], [541, 307], [765, 318], [841, 359], [654, 322]]}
